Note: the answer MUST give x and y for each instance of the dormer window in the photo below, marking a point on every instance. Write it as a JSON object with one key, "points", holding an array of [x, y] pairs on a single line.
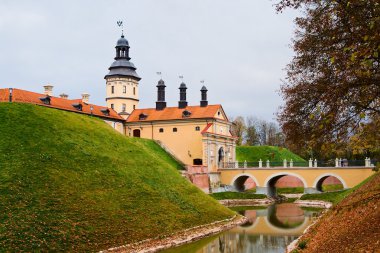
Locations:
{"points": [[46, 100], [105, 111], [186, 114], [143, 116], [77, 106]]}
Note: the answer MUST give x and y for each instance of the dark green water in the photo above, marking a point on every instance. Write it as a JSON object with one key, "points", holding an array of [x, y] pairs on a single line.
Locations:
{"points": [[269, 230]]}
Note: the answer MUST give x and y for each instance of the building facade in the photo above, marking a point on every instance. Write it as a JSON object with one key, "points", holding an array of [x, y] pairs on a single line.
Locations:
{"points": [[196, 135]]}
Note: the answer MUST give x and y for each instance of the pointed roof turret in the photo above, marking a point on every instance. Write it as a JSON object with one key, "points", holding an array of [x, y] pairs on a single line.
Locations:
{"points": [[122, 66]]}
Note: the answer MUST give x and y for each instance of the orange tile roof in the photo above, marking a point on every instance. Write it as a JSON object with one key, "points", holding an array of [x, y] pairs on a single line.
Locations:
{"points": [[23, 96], [174, 113]]}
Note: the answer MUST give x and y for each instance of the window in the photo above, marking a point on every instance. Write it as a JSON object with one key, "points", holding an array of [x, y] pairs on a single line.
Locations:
{"points": [[142, 116], [186, 114], [161, 130], [197, 128], [134, 90], [112, 106], [174, 129], [123, 107], [124, 89], [197, 161], [218, 113], [134, 107], [112, 89], [105, 111], [77, 106]]}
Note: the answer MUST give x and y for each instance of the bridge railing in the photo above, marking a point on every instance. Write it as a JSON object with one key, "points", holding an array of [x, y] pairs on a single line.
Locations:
{"points": [[338, 162]]}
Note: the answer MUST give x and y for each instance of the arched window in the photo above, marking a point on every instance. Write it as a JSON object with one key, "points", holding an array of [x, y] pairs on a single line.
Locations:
{"points": [[174, 129], [134, 90], [112, 106], [112, 89], [123, 107], [124, 89], [197, 128], [161, 130]]}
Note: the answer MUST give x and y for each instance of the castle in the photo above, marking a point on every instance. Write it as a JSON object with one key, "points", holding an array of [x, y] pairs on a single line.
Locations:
{"points": [[199, 136]]}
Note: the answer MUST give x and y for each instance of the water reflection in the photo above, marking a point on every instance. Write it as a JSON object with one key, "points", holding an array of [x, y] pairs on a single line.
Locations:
{"points": [[267, 230]]}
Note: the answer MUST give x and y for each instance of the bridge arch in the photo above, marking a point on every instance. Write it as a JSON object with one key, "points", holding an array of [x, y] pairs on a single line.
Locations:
{"points": [[318, 182], [272, 179], [239, 180]]}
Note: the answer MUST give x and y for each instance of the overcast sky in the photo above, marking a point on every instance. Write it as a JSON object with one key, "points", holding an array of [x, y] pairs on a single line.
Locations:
{"points": [[239, 47]]}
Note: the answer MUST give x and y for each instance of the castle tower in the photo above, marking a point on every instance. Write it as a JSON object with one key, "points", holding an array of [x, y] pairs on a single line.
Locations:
{"points": [[122, 81]]}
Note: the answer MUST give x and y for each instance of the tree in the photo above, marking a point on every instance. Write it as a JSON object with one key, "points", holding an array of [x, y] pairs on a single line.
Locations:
{"points": [[251, 137], [333, 82], [238, 129]]}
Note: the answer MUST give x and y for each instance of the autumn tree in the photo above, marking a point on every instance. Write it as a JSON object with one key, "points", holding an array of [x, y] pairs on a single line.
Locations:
{"points": [[332, 86], [238, 129]]}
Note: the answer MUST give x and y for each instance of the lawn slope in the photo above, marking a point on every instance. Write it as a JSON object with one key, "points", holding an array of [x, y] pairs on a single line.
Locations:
{"points": [[271, 153], [351, 226], [69, 182]]}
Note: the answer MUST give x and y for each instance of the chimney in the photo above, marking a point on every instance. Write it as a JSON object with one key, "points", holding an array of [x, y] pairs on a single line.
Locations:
{"points": [[182, 96], [85, 98], [48, 90], [160, 104], [10, 95], [204, 101], [64, 96]]}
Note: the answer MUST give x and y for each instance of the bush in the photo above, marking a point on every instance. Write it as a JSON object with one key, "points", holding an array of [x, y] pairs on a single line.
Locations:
{"points": [[302, 244]]}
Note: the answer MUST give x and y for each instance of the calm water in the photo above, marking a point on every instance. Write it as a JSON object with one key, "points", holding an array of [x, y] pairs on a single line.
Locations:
{"points": [[268, 230]]}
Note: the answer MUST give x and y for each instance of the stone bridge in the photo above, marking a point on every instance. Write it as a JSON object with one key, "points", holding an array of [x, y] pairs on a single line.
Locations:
{"points": [[311, 177]]}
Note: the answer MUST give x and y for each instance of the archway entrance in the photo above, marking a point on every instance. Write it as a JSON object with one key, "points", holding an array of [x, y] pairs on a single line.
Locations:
{"points": [[329, 184], [293, 183], [136, 133], [244, 183]]}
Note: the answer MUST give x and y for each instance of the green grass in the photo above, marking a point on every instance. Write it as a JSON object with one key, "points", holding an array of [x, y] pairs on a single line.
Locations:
{"points": [[236, 195], [290, 190], [252, 190], [69, 182], [335, 196], [271, 153], [332, 187], [289, 200], [245, 208]]}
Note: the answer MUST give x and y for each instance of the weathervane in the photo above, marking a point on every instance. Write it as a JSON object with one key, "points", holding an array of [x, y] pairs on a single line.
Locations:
{"points": [[181, 77], [202, 81], [120, 24]]}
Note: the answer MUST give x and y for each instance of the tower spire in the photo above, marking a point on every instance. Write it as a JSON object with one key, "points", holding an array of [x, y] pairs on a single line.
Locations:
{"points": [[120, 24]]}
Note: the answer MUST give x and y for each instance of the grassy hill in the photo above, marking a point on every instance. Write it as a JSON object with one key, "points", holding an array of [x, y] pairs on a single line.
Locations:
{"points": [[271, 153], [351, 226], [69, 182]]}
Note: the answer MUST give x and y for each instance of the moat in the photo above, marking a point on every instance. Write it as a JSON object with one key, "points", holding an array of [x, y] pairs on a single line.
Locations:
{"points": [[269, 229]]}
